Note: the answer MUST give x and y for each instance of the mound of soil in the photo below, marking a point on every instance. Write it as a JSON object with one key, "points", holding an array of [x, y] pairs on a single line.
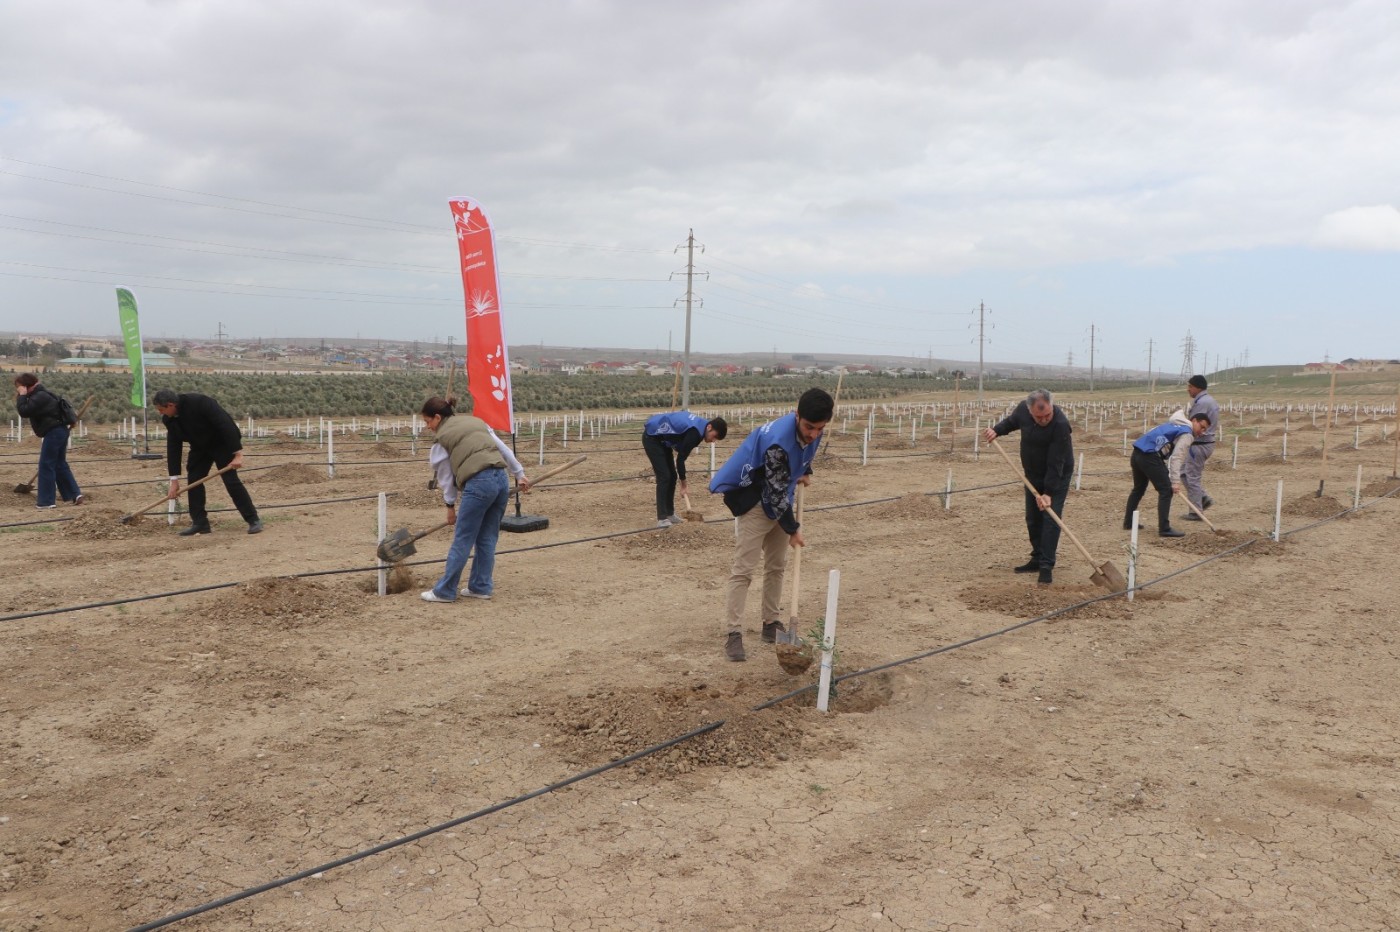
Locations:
{"points": [[609, 724], [106, 524], [1380, 487], [283, 601], [831, 462], [686, 536], [1205, 543], [1021, 600], [913, 505], [418, 497], [387, 451], [97, 447], [1310, 506], [294, 474]]}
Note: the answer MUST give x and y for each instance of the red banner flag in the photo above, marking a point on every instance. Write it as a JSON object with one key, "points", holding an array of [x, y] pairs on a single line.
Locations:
{"points": [[488, 368]]}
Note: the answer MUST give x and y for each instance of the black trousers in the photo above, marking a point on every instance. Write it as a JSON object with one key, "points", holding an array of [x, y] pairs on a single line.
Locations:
{"points": [[1045, 532], [663, 463], [1150, 467], [197, 467]]}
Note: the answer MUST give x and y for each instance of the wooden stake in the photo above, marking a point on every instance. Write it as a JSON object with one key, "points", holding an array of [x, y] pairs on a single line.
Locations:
{"points": [[1326, 427]]}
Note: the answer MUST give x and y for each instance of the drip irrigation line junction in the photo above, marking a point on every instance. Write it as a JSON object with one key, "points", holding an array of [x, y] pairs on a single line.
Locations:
{"points": [[696, 732]]}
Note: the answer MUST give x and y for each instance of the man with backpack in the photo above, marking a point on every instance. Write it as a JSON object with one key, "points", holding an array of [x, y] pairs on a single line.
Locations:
{"points": [[52, 419]]}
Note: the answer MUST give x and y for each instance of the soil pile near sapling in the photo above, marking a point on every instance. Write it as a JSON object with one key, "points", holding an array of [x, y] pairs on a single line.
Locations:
{"points": [[1268, 458], [608, 724], [1205, 543], [283, 602], [1311, 506], [831, 462], [106, 524], [293, 474], [418, 497], [688, 536], [387, 451], [1028, 600], [1380, 487], [913, 505], [103, 448]]}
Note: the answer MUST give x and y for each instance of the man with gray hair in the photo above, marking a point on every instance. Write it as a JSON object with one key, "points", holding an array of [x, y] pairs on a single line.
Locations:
{"points": [[1047, 459], [1201, 403], [214, 440]]}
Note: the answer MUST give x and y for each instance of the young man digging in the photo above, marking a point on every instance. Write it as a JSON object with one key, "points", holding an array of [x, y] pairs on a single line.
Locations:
{"points": [[758, 482]]}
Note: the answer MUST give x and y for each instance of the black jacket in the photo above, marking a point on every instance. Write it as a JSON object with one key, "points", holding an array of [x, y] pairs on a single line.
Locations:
{"points": [[1047, 453], [41, 407], [205, 426]]}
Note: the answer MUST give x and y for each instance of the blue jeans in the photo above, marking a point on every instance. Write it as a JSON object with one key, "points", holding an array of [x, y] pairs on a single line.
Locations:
{"points": [[55, 478], [480, 506]]}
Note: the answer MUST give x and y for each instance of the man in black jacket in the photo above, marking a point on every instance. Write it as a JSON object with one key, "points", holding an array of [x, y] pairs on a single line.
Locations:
{"points": [[214, 440], [1047, 459]]}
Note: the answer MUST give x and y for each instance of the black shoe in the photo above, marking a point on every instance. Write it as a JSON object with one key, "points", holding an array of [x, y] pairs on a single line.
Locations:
{"points": [[255, 526], [771, 630], [1206, 502], [193, 529], [1046, 577], [1190, 516], [1171, 532], [1127, 524], [1030, 567], [734, 646]]}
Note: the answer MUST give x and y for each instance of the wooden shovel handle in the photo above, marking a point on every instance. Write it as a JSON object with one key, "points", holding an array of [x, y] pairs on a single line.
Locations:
{"points": [[83, 409], [1049, 511], [796, 574], [1199, 513], [557, 470], [169, 498], [685, 497]]}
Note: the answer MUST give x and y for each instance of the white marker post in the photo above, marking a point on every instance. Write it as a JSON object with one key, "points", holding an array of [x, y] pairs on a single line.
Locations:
{"points": [[1133, 557], [948, 495], [330, 449], [1278, 513], [541, 445], [1079, 473], [833, 589], [1356, 500], [1235, 456], [865, 447], [383, 532]]}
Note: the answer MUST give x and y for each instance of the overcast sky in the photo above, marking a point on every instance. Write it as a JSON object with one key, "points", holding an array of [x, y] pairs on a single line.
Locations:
{"points": [[861, 175]]}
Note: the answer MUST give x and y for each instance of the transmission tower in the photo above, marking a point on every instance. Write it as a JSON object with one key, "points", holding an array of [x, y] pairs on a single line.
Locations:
{"points": [[981, 344], [1188, 357]]}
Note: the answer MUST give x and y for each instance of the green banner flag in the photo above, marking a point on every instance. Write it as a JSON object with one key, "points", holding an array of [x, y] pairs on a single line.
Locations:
{"points": [[131, 333]]}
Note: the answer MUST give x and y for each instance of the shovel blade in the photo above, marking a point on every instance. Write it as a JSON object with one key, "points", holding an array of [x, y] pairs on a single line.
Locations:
{"points": [[397, 546], [1109, 578], [23, 489]]}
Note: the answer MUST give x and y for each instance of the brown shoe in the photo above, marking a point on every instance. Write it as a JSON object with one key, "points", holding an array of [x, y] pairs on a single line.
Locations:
{"points": [[771, 630], [734, 647]]}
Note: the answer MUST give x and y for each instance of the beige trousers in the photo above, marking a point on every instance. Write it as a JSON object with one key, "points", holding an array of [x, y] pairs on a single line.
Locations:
{"points": [[758, 535]]}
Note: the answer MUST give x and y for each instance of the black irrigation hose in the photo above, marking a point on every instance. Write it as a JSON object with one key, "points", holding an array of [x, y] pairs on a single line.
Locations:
{"points": [[318, 501], [694, 733]]}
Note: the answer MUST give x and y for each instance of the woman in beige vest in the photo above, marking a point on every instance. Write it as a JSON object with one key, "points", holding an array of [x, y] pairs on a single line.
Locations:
{"points": [[476, 493]]}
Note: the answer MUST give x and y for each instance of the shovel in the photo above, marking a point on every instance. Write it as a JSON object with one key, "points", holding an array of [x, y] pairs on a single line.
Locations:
{"points": [[690, 514], [1199, 513], [134, 517], [399, 545], [790, 635], [1106, 574], [24, 488]]}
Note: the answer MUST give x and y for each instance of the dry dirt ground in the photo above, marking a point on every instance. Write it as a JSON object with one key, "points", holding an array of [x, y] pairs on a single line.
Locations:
{"points": [[1219, 753]]}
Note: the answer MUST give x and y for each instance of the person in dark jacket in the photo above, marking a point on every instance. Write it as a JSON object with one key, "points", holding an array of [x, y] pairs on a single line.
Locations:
{"points": [[214, 440], [669, 438], [42, 407], [1160, 457], [1047, 459]]}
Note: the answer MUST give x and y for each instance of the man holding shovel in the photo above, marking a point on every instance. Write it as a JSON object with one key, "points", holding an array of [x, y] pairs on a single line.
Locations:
{"points": [[1159, 457], [1047, 459], [1195, 465], [758, 482], [669, 438], [214, 440]]}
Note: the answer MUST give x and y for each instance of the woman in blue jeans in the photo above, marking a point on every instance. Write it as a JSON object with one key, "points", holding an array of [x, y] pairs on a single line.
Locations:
{"points": [[471, 464], [55, 479]]}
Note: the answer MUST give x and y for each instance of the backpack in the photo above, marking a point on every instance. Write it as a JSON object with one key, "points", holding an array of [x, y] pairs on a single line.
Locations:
{"points": [[66, 412]]}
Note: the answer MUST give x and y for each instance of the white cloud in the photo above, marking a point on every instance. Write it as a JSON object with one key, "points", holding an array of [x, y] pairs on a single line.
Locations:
{"points": [[1369, 229]]}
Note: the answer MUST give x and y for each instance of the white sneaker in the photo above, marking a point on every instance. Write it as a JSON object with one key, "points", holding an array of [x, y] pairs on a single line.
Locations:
{"points": [[665, 522], [483, 596], [677, 519], [431, 596]]}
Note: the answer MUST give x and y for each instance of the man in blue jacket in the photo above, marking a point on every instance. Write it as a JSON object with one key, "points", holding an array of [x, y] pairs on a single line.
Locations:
{"points": [[1158, 457], [758, 482], [669, 438]]}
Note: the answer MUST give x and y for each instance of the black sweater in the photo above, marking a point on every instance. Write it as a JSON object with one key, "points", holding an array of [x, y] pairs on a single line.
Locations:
{"points": [[1047, 453], [205, 426]]}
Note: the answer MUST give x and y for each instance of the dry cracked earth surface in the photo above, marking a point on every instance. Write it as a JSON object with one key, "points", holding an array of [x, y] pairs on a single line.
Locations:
{"points": [[1218, 753]]}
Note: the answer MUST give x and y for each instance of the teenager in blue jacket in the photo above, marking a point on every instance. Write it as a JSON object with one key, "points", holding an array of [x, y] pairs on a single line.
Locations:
{"points": [[669, 438], [1158, 457]]}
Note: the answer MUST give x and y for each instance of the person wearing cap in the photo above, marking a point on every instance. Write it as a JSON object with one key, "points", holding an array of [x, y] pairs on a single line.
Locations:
{"points": [[669, 438], [1201, 403], [1159, 457], [1047, 459]]}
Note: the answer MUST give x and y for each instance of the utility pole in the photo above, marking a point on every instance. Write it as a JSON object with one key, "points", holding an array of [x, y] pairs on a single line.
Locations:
{"points": [[981, 344], [1151, 382], [690, 300], [1091, 359]]}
